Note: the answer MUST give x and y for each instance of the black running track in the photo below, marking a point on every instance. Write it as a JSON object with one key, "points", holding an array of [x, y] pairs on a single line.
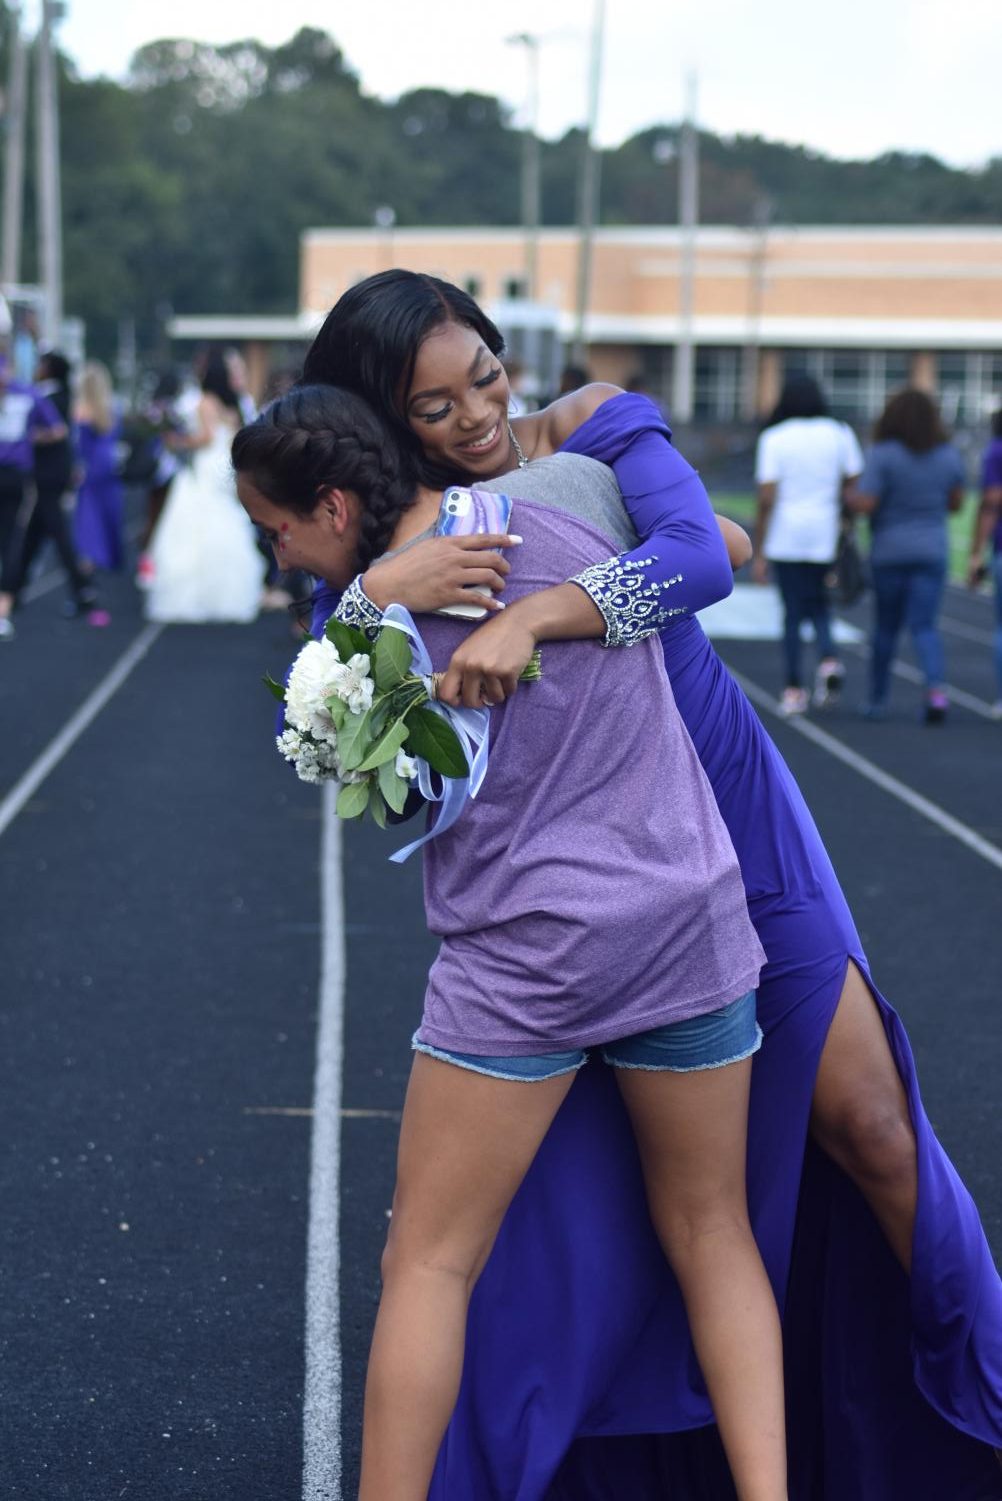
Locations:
{"points": [[160, 928]]}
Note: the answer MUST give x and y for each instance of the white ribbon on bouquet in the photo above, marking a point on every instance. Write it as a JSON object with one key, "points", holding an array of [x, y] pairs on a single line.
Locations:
{"points": [[471, 727]]}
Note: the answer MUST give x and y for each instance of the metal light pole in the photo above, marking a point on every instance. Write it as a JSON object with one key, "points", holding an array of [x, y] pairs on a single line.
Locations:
{"points": [[588, 187], [688, 218], [50, 228], [13, 180], [531, 186]]}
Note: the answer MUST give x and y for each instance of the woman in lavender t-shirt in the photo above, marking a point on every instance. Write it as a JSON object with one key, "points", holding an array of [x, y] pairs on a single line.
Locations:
{"points": [[578, 906]]}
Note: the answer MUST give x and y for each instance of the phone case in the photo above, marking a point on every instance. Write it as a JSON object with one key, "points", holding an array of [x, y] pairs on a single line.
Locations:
{"points": [[468, 513]]}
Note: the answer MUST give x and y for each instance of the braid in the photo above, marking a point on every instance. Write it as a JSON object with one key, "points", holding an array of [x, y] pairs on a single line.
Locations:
{"points": [[317, 438]]}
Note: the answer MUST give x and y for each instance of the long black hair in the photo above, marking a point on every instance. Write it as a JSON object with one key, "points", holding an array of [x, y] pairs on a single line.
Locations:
{"points": [[318, 438], [369, 344], [216, 381], [801, 396]]}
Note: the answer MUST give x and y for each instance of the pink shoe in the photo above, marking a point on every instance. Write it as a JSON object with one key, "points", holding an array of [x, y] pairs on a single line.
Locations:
{"points": [[98, 617]]}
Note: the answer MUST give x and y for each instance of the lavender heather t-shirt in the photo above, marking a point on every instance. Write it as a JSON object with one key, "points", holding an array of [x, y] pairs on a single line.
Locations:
{"points": [[590, 891]]}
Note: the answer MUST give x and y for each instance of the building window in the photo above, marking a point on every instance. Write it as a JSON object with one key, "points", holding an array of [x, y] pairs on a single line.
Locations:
{"points": [[856, 382], [717, 393], [472, 285], [515, 287], [970, 386]]}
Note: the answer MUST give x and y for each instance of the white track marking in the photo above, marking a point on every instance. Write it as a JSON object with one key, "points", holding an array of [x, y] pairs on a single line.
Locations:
{"points": [[28, 785], [873, 773], [322, 1390]]}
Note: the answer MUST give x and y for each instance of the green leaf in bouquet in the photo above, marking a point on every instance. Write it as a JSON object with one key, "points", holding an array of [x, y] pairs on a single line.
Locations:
{"points": [[433, 738], [354, 739], [377, 808], [386, 748], [346, 639], [393, 788], [391, 658], [275, 689], [338, 711], [352, 800]]}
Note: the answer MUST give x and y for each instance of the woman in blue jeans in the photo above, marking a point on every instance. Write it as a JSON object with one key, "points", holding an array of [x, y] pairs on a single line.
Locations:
{"points": [[912, 478]]}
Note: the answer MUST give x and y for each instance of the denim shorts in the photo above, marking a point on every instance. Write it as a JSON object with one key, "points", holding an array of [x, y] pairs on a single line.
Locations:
{"points": [[709, 1041]]}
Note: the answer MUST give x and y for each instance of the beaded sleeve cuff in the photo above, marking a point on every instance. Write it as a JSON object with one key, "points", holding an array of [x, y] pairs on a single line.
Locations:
{"points": [[630, 604], [357, 609]]}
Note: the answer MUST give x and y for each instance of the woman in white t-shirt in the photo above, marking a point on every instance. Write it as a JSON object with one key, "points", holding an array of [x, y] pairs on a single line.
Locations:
{"points": [[803, 462]]}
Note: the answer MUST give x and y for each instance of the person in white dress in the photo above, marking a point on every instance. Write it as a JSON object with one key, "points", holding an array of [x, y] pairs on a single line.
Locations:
{"points": [[206, 563]]}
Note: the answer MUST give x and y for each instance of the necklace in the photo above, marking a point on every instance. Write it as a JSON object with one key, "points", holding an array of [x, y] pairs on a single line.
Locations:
{"points": [[520, 456]]}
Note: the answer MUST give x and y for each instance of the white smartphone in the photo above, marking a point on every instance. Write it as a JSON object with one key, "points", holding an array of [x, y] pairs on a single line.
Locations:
{"points": [[469, 513]]}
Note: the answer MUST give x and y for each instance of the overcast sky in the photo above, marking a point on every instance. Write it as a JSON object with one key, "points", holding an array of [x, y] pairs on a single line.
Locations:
{"points": [[852, 79]]}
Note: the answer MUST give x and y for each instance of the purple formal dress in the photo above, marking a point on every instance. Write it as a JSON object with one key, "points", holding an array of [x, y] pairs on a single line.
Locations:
{"points": [[580, 1383], [100, 510]]}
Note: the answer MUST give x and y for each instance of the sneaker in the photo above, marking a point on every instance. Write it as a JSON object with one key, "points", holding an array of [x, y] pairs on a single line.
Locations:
{"points": [[828, 682], [7, 631], [145, 571], [99, 618], [793, 701], [936, 705]]}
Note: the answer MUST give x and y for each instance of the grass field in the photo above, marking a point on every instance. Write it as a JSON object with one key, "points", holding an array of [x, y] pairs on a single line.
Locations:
{"points": [[740, 506]]}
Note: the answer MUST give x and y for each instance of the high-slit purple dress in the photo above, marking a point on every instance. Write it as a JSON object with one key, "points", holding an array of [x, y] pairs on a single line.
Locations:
{"points": [[577, 1338], [580, 1382]]}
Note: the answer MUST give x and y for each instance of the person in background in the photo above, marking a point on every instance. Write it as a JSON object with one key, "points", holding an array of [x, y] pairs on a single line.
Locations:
{"points": [[572, 378], [28, 421], [100, 513], [804, 462], [49, 519], [913, 478], [988, 529]]}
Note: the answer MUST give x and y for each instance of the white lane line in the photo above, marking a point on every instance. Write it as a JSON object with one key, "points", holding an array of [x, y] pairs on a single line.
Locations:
{"points": [[322, 1389], [966, 632], [956, 695], [914, 800], [74, 727]]}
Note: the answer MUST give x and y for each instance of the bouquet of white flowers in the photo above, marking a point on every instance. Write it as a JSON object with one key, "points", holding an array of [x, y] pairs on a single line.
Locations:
{"points": [[364, 714]]}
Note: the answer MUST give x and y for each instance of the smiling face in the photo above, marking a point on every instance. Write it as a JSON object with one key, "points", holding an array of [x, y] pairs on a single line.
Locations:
{"points": [[323, 543], [457, 404]]}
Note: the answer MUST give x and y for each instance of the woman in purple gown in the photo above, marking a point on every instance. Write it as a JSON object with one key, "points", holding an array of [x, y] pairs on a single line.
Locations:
{"points": [[893, 1307], [99, 518]]}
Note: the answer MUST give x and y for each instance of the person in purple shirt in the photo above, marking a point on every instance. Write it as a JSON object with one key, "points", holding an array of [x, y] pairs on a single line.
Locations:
{"points": [[552, 941], [27, 421], [893, 1307], [988, 537]]}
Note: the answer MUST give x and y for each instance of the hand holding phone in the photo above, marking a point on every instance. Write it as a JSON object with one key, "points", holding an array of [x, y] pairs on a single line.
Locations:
{"points": [[467, 513]]}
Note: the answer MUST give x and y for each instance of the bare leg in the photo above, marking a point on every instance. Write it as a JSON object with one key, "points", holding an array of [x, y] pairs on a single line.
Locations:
{"points": [[860, 1114], [466, 1142], [691, 1130]]}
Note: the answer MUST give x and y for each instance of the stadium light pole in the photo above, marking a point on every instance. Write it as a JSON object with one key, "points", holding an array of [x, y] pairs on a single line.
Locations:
{"points": [[588, 196], [531, 185], [50, 228], [13, 181], [688, 217]]}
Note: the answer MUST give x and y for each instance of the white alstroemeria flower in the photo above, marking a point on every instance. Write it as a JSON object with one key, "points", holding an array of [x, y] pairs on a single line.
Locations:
{"points": [[354, 686], [405, 767]]}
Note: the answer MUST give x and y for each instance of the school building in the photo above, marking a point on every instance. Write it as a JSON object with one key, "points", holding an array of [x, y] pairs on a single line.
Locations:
{"points": [[865, 309]]}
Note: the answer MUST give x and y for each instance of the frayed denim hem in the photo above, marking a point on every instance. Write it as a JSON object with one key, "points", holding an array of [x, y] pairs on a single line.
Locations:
{"points": [[693, 1068], [491, 1073]]}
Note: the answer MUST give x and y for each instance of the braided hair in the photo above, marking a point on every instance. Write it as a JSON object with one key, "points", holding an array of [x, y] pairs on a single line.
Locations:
{"points": [[318, 438]]}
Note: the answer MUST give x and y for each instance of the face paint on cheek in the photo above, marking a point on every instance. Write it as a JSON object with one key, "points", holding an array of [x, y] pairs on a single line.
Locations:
{"points": [[283, 537]]}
